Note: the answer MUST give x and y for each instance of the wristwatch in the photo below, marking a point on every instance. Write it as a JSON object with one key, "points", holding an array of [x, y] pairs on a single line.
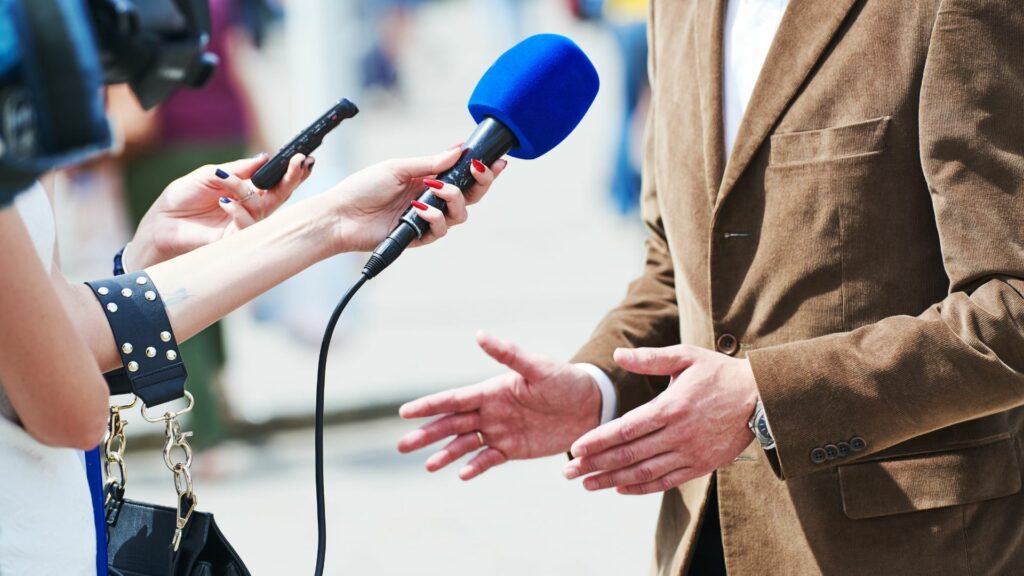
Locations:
{"points": [[758, 424]]}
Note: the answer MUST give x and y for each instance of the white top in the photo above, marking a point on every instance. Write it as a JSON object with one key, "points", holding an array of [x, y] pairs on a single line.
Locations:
{"points": [[750, 27], [46, 522]]}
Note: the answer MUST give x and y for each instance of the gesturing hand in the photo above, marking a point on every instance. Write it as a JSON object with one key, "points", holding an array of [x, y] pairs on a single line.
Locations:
{"points": [[537, 410], [695, 426], [209, 203]]}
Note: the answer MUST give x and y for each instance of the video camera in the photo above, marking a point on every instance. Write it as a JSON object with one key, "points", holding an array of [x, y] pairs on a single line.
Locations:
{"points": [[56, 56]]}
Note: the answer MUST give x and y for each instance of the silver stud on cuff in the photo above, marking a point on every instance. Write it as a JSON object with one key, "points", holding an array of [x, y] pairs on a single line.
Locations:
{"points": [[165, 336], [172, 355], [141, 280], [112, 307], [103, 291], [133, 366], [126, 292], [150, 352], [150, 295], [127, 348]]}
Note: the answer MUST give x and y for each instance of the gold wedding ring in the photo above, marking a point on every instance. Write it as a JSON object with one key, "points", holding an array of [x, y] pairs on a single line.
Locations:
{"points": [[480, 437]]}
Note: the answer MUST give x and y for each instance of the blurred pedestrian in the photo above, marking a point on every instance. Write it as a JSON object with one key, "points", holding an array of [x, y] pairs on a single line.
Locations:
{"points": [[627, 21], [192, 128], [389, 22]]}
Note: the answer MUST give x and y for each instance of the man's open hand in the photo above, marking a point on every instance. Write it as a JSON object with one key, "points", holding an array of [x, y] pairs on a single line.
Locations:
{"points": [[695, 426], [536, 410]]}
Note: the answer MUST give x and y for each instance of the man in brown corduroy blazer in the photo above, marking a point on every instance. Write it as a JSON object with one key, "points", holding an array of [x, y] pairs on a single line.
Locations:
{"points": [[855, 266]]}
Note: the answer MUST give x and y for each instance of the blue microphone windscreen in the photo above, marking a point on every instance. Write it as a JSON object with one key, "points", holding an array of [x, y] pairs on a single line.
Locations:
{"points": [[540, 89]]}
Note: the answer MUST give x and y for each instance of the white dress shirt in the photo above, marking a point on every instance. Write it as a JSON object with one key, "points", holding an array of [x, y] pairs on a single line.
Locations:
{"points": [[750, 27]]}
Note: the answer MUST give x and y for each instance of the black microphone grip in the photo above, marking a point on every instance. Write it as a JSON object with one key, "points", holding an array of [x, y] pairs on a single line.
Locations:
{"points": [[490, 141]]}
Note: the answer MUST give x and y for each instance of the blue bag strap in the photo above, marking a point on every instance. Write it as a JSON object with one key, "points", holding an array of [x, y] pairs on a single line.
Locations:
{"points": [[94, 471]]}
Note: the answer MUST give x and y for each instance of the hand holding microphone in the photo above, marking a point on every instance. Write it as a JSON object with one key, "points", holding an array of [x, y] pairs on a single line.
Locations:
{"points": [[368, 204]]}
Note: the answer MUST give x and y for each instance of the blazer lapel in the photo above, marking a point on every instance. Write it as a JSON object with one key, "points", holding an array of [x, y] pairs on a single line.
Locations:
{"points": [[710, 21], [805, 32]]}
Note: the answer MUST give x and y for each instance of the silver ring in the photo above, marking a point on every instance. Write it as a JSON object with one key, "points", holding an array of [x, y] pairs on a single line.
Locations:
{"points": [[247, 197]]}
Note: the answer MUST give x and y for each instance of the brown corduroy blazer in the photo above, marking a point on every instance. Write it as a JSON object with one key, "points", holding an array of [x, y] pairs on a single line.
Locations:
{"points": [[863, 246]]}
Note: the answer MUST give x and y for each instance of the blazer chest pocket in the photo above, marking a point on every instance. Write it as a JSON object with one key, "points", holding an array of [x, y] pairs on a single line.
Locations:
{"points": [[847, 141], [931, 480]]}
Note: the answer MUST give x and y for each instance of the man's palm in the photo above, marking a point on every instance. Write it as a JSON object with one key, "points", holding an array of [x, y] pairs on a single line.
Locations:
{"points": [[537, 410]]}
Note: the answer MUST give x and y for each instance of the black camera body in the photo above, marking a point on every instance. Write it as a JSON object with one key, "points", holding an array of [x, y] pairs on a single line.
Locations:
{"points": [[155, 46], [57, 55]]}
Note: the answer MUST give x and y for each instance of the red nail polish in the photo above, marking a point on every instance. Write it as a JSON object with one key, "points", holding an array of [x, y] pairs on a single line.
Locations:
{"points": [[435, 184], [419, 205], [478, 165]]}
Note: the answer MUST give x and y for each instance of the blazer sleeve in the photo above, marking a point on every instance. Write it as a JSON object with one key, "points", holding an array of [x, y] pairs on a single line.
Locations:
{"points": [[963, 358], [648, 315]]}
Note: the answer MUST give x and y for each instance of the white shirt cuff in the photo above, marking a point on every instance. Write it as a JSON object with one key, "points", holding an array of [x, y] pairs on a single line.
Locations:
{"points": [[609, 397], [124, 258]]}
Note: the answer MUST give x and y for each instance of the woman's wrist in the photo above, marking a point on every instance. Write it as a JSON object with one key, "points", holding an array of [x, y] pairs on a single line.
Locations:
{"points": [[139, 254], [329, 227]]}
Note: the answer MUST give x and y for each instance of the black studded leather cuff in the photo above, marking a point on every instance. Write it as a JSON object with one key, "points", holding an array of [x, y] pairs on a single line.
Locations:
{"points": [[153, 369]]}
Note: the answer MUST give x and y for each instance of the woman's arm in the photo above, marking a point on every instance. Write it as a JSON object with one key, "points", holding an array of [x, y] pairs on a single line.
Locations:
{"points": [[46, 369], [202, 286]]}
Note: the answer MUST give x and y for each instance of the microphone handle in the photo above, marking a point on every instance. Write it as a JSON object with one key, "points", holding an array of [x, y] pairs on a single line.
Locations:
{"points": [[490, 141]]}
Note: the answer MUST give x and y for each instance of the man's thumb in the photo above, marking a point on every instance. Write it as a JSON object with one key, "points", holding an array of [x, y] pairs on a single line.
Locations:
{"points": [[668, 361], [530, 366]]}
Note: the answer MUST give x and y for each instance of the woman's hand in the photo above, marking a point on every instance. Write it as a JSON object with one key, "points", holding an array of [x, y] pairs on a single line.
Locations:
{"points": [[208, 204], [368, 204]]}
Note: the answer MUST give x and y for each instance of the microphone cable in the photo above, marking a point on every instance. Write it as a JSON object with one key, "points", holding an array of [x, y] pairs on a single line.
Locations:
{"points": [[321, 375]]}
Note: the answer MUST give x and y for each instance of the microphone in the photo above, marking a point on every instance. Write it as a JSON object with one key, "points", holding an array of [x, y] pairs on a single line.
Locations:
{"points": [[526, 103]]}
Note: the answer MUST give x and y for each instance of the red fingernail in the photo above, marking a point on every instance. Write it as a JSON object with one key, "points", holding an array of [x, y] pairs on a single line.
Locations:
{"points": [[478, 165], [435, 184], [419, 205]]}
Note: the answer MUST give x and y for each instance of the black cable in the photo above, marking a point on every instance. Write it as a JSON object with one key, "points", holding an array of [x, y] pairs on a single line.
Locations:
{"points": [[321, 374]]}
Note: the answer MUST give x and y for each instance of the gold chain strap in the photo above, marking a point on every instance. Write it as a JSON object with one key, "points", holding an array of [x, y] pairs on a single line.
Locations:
{"points": [[114, 445], [178, 458]]}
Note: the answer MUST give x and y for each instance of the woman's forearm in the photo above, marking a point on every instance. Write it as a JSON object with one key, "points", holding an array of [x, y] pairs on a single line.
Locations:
{"points": [[208, 283], [202, 286]]}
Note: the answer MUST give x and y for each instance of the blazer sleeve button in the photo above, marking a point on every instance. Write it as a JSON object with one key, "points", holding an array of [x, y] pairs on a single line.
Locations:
{"points": [[831, 452], [844, 449], [818, 455], [857, 444]]}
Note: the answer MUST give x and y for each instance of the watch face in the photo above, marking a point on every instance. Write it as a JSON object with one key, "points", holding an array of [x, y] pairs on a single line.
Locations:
{"points": [[762, 426]]}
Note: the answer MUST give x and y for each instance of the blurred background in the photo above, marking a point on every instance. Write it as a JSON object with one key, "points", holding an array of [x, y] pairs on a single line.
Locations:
{"points": [[541, 259]]}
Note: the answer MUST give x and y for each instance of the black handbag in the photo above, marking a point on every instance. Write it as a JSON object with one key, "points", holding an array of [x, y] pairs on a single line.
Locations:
{"points": [[138, 537]]}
